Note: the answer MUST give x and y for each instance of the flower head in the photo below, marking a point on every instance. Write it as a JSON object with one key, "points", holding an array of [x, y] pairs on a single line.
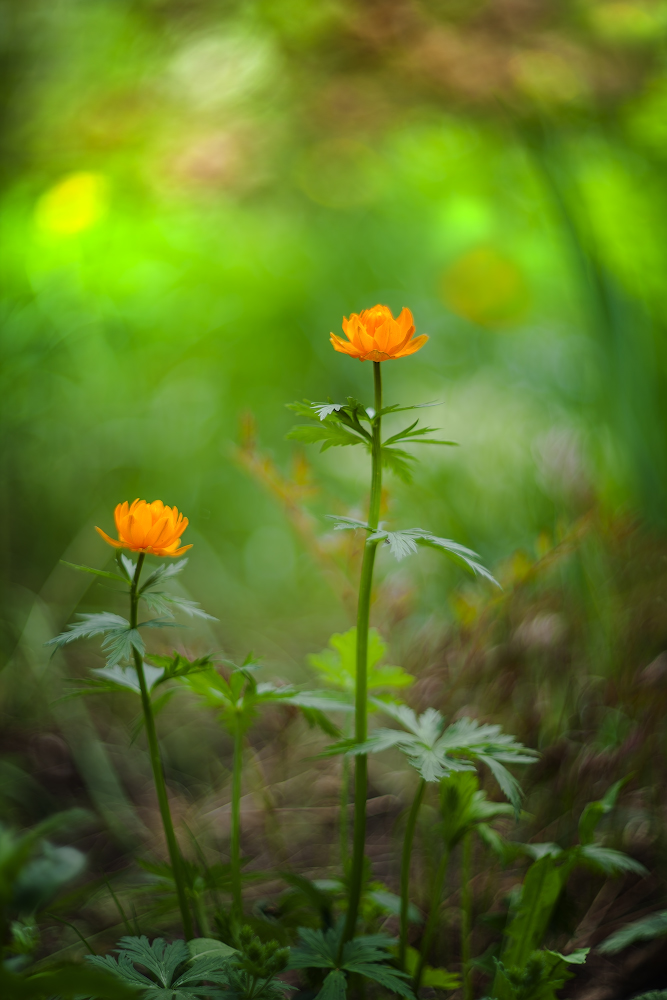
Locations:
{"points": [[374, 335], [148, 527]]}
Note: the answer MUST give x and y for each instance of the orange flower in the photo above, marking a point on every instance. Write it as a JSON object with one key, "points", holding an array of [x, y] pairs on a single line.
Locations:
{"points": [[374, 335], [148, 527]]}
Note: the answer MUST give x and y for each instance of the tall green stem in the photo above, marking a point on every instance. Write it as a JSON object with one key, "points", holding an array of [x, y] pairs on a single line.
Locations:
{"points": [[432, 921], [405, 870], [466, 914], [361, 698], [235, 846], [156, 764]]}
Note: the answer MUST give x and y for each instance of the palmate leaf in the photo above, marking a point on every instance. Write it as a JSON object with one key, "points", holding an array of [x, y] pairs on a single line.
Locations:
{"points": [[338, 664], [403, 543], [172, 972], [366, 955], [436, 752]]}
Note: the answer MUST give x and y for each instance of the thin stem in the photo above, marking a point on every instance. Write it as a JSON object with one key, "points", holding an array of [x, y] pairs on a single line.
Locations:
{"points": [[120, 909], [344, 802], [73, 927], [235, 845], [156, 764], [361, 695], [405, 870], [466, 914], [432, 920]]}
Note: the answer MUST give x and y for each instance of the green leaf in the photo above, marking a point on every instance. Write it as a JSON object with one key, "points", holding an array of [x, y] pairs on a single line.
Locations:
{"points": [[163, 604], [126, 678], [346, 523], [439, 978], [385, 975], [207, 947], [178, 977], [67, 982], [594, 811], [646, 929], [391, 903], [95, 572], [338, 664], [413, 434], [334, 987], [610, 862], [332, 435], [89, 626], [165, 571], [397, 408], [398, 462], [541, 889], [403, 543]]}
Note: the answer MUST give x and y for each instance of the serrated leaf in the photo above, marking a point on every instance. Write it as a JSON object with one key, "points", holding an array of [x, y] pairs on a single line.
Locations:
{"points": [[89, 626], [323, 410], [165, 571], [334, 987], [391, 979], [398, 462], [404, 542]]}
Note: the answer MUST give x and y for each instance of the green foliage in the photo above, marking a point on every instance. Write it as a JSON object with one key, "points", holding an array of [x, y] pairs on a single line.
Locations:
{"points": [[437, 977], [646, 929], [538, 978], [463, 806], [238, 697], [171, 971], [404, 543], [67, 982], [335, 424], [337, 665], [367, 956], [435, 751], [594, 811]]}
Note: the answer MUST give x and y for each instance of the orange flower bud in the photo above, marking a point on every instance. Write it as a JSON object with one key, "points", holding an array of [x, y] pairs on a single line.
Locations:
{"points": [[148, 527], [374, 335]]}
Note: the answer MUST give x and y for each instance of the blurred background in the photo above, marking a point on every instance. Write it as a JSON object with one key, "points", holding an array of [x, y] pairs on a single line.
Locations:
{"points": [[192, 195]]}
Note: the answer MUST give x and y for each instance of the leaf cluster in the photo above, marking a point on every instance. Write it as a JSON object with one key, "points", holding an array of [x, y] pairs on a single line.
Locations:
{"points": [[342, 424], [168, 969], [368, 956], [238, 697]]}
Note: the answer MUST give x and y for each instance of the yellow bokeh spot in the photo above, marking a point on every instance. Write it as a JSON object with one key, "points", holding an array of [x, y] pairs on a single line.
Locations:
{"points": [[485, 287], [74, 204]]}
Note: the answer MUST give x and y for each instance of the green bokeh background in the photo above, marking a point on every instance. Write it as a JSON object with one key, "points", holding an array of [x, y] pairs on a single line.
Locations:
{"points": [[265, 169]]}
